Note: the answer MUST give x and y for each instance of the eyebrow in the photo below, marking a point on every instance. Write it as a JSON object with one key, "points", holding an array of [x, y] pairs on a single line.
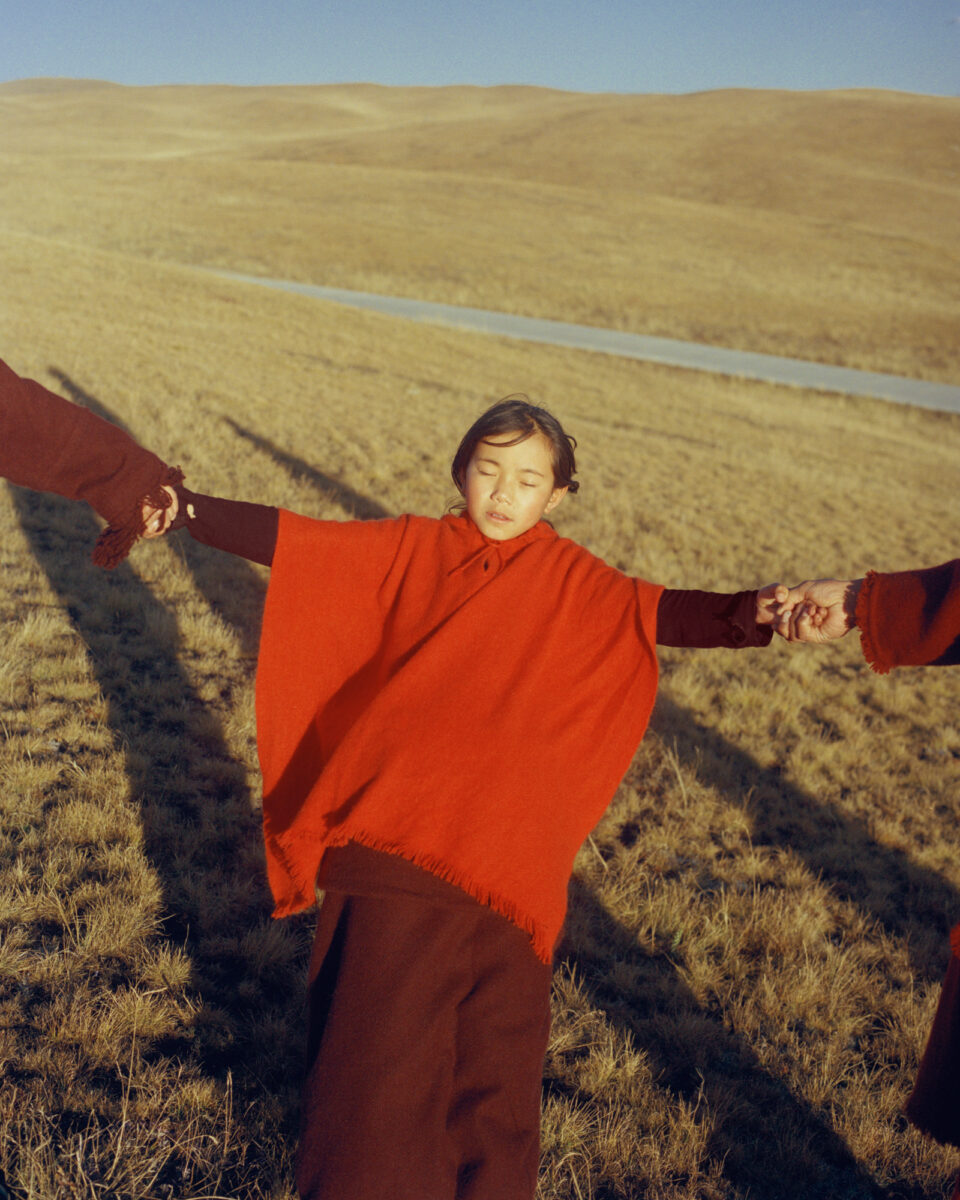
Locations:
{"points": [[495, 462]]}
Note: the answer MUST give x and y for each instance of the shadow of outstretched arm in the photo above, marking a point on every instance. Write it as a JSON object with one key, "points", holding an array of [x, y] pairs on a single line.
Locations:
{"points": [[356, 504], [911, 902], [201, 832], [770, 1142]]}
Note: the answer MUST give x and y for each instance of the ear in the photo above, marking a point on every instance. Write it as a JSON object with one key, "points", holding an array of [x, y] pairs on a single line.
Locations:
{"points": [[555, 497]]}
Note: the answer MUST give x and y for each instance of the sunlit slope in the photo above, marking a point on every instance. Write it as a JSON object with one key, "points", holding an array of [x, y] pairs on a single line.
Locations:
{"points": [[818, 225], [759, 925]]}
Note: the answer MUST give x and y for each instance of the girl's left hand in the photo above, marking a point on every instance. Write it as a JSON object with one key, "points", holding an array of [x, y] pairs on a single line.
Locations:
{"points": [[769, 600]]}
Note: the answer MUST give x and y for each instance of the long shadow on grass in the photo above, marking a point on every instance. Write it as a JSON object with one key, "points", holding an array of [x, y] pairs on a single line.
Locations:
{"points": [[354, 503], [770, 1143], [195, 810], [911, 902], [201, 832]]}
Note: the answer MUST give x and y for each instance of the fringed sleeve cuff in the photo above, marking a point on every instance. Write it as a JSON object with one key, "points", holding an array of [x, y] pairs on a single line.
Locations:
{"points": [[911, 618], [864, 620], [53, 445], [117, 540]]}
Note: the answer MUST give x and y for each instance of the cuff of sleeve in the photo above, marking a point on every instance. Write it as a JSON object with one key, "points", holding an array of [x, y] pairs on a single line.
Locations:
{"points": [[742, 618], [116, 541], [864, 620]]}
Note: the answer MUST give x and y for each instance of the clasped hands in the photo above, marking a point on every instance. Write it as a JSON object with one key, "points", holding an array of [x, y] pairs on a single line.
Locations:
{"points": [[818, 610], [156, 521]]}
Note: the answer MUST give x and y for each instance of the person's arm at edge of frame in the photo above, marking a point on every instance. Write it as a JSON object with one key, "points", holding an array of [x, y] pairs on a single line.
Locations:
{"points": [[49, 444], [906, 618]]}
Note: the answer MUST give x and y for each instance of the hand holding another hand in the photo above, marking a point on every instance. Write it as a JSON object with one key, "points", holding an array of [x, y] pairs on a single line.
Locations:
{"points": [[770, 600], [818, 610], [158, 520]]}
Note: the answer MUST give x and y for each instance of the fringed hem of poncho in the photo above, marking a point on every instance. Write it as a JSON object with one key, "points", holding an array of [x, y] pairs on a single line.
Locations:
{"points": [[305, 896]]}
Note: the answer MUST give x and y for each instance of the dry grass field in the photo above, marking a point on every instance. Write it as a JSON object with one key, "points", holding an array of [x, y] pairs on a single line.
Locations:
{"points": [[821, 226], [758, 926]]}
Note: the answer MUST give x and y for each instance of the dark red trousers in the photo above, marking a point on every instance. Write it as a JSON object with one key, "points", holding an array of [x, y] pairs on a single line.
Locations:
{"points": [[428, 1022], [934, 1104]]}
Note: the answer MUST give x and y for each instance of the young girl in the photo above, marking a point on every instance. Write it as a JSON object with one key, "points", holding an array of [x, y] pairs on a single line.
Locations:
{"points": [[444, 709]]}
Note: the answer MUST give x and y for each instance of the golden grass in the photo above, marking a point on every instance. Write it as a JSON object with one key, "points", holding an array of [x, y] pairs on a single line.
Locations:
{"points": [[758, 925], [817, 225]]}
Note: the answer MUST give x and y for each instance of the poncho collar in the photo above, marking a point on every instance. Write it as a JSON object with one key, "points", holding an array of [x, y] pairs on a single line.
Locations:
{"points": [[476, 545]]}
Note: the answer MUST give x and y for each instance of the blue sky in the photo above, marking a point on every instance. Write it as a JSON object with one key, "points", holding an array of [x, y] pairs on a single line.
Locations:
{"points": [[580, 45]]}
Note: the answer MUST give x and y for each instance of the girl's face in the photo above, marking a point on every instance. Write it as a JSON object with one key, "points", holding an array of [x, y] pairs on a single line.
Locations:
{"points": [[509, 488]]}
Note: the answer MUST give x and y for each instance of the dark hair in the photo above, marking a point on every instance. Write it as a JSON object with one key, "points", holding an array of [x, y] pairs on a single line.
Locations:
{"points": [[518, 416]]}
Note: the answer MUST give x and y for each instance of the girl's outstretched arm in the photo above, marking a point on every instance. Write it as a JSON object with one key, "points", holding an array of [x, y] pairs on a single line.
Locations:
{"points": [[249, 530], [707, 620]]}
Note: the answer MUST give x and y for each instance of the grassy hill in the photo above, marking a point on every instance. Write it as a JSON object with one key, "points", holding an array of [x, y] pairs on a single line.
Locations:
{"points": [[813, 225], [758, 927]]}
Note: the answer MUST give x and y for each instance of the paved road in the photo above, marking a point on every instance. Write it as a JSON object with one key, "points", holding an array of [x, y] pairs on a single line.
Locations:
{"points": [[791, 371]]}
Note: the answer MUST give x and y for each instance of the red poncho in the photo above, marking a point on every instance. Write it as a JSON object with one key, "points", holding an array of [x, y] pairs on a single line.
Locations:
{"points": [[468, 704]]}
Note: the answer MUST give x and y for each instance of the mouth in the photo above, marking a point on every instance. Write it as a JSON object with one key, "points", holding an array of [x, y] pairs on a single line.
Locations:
{"points": [[498, 517]]}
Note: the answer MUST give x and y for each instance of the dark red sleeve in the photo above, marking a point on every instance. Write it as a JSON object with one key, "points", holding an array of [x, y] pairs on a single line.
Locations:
{"points": [[708, 620], [248, 530], [911, 618], [49, 444]]}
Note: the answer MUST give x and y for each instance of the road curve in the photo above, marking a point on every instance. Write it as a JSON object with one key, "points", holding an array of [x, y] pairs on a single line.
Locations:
{"points": [[793, 372]]}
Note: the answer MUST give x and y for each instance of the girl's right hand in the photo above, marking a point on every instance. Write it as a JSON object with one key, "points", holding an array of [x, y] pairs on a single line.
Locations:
{"points": [[157, 521]]}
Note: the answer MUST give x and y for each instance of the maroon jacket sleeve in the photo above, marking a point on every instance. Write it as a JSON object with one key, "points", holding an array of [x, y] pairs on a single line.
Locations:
{"points": [[708, 620], [911, 618], [49, 444]]}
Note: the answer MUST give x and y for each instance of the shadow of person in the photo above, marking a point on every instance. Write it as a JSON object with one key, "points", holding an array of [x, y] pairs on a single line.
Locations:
{"points": [[352, 502], [766, 1139], [912, 902], [200, 830], [201, 826], [232, 588]]}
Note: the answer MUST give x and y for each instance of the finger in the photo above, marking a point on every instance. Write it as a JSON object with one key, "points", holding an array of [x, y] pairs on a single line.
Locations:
{"points": [[781, 622], [155, 522], [807, 627], [795, 634]]}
